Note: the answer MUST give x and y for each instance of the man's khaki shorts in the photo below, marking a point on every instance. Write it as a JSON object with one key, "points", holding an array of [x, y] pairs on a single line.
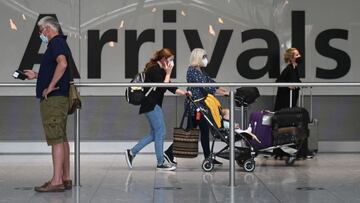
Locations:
{"points": [[54, 112]]}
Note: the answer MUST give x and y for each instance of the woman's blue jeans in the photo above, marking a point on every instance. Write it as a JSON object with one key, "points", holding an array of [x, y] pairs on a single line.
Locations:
{"points": [[157, 134]]}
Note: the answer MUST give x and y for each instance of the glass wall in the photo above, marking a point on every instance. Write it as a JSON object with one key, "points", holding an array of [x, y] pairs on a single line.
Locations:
{"points": [[245, 39], [111, 40]]}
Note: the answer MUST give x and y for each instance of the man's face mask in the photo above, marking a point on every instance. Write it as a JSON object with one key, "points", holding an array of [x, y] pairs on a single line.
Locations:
{"points": [[43, 38]]}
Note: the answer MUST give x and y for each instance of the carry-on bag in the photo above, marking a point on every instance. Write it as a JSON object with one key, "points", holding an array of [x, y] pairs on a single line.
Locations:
{"points": [[313, 140], [310, 144], [287, 135], [291, 117], [260, 122]]}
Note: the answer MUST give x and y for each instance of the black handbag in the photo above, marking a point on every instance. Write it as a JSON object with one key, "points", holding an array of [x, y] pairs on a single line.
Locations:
{"points": [[186, 141], [246, 95]]}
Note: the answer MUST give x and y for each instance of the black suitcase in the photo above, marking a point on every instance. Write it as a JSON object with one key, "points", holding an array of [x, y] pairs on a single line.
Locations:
{"points": [[287, 135], [291, 117]]}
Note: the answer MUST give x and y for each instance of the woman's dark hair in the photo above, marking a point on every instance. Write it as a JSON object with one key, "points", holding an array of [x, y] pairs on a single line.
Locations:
{"points": [[158, 55]]}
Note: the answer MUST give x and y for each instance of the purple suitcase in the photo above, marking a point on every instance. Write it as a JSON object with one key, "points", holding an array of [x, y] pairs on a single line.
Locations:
{"points": [[260, 122]]}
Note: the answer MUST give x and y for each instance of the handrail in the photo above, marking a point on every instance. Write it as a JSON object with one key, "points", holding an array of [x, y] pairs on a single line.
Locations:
{"points": [[174, 84], [230, 84]]}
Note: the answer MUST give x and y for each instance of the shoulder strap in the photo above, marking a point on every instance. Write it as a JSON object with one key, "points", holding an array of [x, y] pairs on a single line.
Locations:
{"points": [[186, 114]]}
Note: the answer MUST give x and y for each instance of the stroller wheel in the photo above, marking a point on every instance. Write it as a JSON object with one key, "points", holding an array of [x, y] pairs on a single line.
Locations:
{"points": [[207, 165], [289, 161], [249, 165]]}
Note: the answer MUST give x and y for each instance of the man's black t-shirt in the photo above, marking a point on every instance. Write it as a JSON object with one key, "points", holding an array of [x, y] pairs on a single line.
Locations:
{"points": [[57, 46]]}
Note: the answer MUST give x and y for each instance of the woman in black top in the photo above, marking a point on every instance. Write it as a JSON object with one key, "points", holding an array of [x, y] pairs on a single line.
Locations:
{"points": [[290, 74], [157, 70]]}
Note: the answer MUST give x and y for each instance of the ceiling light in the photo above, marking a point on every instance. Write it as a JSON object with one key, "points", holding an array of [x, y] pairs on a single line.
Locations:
{"points": [[121, 24], [13, 25], [211, 30], [221, 21], [183, 13]]}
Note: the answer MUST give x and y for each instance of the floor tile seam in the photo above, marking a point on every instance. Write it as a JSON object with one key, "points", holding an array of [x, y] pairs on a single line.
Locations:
{"points": [[264, 184], [102, 180], [335, 195], [154, 191]]}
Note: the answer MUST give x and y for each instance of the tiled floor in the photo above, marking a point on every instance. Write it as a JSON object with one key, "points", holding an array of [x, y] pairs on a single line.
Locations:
{"points": [[106, 178]]}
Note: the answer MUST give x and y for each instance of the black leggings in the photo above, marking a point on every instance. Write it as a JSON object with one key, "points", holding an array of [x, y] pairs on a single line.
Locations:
{"points": [[204, 137]]}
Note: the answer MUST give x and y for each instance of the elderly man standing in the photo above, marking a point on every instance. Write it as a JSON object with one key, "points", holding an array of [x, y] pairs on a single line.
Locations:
{"points": [[52, 88]]}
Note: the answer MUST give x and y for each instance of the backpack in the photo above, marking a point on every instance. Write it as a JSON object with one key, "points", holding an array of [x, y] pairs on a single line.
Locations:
{"points": [[135, 95]]}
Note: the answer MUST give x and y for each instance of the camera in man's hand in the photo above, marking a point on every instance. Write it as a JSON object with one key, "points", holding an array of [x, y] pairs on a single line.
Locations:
{"points": [[19, 74]]}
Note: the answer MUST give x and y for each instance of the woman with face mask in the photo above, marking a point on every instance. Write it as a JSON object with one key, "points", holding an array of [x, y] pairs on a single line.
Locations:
{"points": [[196, 73], [290, 74], [157, 70]]}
